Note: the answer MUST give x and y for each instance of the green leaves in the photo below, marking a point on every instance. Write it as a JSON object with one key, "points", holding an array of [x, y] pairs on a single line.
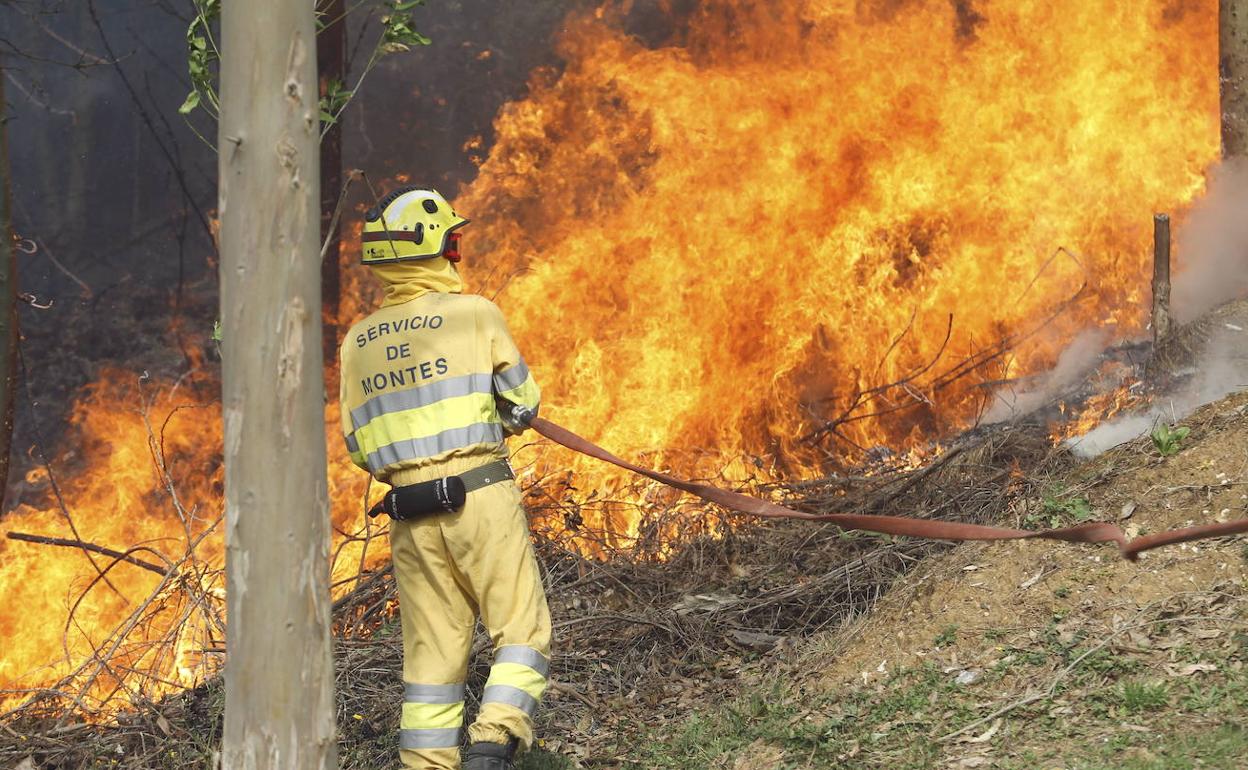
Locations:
{"points": [[188, 106], [201, 55], [1168, 440], [399, 33], [335, 99], [1138, 696]]}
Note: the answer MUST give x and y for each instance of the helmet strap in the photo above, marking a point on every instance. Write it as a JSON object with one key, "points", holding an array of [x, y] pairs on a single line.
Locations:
{"points": [[451, 252]]}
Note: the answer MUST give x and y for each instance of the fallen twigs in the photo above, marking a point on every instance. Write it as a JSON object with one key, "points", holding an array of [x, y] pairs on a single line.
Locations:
{"points": [[150, 650]]}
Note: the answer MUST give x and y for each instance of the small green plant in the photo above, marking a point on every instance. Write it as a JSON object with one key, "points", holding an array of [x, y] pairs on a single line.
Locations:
{"points": [[1058, 508], [947, 636], [1061, 592], [1143, 696], [1169, 440]]}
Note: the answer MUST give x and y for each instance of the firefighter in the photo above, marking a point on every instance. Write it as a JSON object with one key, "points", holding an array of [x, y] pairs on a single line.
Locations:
{"points": [[431, 384]]}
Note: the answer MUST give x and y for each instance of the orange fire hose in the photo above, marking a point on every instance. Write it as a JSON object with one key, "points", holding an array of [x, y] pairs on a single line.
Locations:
{"points": [[1092, 532]]}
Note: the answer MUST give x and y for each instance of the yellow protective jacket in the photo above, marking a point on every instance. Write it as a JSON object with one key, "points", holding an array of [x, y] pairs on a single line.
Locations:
{"points": [[419, 381], [420, 375]]}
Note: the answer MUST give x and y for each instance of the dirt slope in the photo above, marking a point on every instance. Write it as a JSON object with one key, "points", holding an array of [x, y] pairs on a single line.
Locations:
{"points": [[1025, 656], [1022, 584], [1174, 620]]}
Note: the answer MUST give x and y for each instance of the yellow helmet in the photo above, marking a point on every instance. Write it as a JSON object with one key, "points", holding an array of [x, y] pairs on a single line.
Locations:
{"points": [[410, 223]]}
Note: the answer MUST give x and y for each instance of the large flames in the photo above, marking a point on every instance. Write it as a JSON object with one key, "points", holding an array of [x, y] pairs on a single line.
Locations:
{"points": [[712, 248], [714, 252]]}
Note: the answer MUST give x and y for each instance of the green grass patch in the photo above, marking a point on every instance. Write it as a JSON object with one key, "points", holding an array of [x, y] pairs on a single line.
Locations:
{"points": [[537, 759], [1110, 710], [1137, 697], [892, 725], [1222, 747]]}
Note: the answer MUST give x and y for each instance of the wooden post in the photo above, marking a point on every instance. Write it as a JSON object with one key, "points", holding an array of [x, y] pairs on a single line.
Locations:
{"points": [[1161, 277], [279, 703], [1233, 75]]}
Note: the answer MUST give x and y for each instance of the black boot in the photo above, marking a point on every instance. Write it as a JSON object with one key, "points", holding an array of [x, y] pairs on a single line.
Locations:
{"points": [[490, 756]]}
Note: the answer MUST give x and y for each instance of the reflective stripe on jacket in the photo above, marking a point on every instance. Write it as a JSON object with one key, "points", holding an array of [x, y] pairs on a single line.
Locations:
{"points": [[419, 381]]}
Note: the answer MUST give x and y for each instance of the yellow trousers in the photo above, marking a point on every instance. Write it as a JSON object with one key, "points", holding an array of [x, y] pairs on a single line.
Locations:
{"points": [[449, 568]]}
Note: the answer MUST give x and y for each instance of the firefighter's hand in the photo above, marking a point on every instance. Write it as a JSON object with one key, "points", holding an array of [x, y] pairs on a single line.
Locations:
{"points": [[515, 418]]}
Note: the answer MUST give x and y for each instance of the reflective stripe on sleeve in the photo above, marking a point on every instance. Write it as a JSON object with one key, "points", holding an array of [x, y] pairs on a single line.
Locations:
{"points": [[528, 394], [353, 450], [512, 696], [415, 398], [512, 378], [445, 738], [525, 656], [429, 446], [518, 386], [433, 693]]}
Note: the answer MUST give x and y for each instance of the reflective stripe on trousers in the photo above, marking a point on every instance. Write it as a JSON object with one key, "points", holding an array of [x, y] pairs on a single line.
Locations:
{"points": [[517, 678], [433, 716]]}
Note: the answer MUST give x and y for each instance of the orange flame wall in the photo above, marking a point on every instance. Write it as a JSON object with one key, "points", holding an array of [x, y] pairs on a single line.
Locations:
{"points": [[705, 248], [709, 246]]}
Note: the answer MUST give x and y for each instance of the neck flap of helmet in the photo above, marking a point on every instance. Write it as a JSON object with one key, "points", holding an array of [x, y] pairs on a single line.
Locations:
{"points": [[405, 281]]}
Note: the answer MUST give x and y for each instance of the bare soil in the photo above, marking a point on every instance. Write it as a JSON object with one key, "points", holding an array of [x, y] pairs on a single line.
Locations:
{"points": [[1016, 585]]}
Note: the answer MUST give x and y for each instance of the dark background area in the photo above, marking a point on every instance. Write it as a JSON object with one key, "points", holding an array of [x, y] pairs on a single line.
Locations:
{"points": [[119, 193]]}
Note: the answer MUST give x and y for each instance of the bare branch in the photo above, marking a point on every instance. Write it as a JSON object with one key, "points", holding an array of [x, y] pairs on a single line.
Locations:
{"points": [[67, 543]]}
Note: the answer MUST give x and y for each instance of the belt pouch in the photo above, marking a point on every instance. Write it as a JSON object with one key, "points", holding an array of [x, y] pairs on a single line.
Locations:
{"points": [[437, 496]]}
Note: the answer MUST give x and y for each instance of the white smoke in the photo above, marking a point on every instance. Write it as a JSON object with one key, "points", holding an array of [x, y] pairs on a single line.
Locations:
{"points": [[1111, 433], [1212, 269], [1078, 359], [1212, 245], [1221, 369]]}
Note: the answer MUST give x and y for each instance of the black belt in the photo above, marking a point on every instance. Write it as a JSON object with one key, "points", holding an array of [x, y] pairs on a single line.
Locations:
{"points": [[443, 495]]}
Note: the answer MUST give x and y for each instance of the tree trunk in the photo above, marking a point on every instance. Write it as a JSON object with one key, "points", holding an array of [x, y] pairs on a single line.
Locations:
{"points": [[331, 64], [279, 705], [1233, 72], [8, 296]]}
